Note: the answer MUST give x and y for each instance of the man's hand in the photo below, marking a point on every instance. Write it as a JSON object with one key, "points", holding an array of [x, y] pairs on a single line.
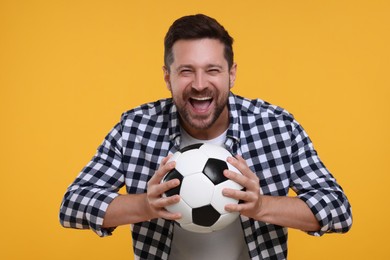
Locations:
{"points": [[133, 208], [250, 196], [154, 200], [278, 210]]}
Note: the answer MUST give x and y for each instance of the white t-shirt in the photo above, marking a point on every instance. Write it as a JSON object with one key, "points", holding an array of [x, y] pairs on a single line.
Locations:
{"points": [[227, 244]]}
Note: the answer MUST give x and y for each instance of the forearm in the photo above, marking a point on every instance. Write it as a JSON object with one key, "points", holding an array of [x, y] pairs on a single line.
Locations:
{"points": [[126, 209], [289, 212]]}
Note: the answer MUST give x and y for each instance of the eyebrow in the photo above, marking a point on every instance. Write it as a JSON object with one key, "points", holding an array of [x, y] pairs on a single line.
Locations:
{"points": [[190, 66], [183, 66]]}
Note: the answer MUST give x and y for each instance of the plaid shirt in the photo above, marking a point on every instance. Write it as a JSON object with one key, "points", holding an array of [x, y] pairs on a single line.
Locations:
{"points": [[274, 145]]}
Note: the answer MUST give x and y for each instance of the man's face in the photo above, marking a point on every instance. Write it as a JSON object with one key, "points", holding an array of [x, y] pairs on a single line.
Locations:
{"points": [[200, 80]]}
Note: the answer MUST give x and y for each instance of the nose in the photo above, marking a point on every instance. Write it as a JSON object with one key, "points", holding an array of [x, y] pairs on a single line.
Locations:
{"points": [[199, 83]]}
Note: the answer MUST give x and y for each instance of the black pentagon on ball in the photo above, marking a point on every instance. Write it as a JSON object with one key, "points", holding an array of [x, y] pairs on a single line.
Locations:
{"points": [[174, 174], [213, 169], [205, 216], [190, 147]]}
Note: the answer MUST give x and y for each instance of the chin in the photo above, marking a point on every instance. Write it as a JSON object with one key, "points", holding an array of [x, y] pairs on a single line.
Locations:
{"points": [[201, 124]]}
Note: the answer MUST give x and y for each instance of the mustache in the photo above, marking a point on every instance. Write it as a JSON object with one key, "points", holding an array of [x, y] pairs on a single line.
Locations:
{"points": [[195, 93]]}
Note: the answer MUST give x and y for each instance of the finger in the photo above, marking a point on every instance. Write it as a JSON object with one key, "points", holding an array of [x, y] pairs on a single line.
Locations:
{"points": [[235, 194], [238, 162], [243, 167], [240, 159], [160, 207], [169, 215], [166, 159], [165, 201], [241, 179], [233, 207], [162, 171], [237, 159], [157, 189], [234, 176], [166, 186]]}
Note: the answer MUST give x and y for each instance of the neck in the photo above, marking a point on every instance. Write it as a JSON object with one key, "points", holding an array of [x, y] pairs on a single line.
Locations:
{"points": [[215, 130]]}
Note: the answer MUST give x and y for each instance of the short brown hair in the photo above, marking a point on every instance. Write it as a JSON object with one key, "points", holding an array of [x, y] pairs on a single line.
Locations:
{"points": [[197, 26]]}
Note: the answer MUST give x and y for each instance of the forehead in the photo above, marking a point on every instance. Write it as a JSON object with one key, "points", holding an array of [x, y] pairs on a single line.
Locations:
{"points": [[199, 52]]}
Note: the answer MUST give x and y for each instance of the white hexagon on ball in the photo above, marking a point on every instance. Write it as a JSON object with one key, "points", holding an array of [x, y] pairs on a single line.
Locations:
{"points": [[187, 165], [197, 190], [184, 209], [213, 151]]}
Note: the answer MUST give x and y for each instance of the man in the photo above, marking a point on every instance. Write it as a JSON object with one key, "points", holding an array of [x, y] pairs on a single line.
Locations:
{"points": [[272, 151]]}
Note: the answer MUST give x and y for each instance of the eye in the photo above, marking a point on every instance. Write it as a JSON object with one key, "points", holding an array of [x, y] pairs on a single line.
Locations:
{"points": [[185, 72], [213, 71]]}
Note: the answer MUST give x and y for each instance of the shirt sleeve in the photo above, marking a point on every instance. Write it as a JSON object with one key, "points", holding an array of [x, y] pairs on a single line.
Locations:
{"points": [[87, 198], [316, 186]]}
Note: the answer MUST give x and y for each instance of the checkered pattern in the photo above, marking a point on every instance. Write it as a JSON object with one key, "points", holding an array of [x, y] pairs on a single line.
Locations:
{"points": [[274, 145]]}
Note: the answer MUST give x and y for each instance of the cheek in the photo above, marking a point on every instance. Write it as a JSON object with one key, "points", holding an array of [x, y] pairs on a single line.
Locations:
{"points": [[224, 85], [179, 86]]}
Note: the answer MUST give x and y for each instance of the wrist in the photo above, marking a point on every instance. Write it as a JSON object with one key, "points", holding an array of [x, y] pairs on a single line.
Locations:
{"points": [[147, 211], [262, 203]]}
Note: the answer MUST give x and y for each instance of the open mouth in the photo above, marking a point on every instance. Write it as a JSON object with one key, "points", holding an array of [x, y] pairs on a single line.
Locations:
{"points": [[201, 104]]}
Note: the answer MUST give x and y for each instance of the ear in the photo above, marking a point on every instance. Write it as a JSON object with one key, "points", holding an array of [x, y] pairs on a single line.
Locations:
{"points": [[232, 74], [167, 78]]}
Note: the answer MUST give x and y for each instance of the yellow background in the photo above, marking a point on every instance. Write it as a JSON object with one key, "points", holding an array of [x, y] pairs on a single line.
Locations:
{"points": [[68, 69]]}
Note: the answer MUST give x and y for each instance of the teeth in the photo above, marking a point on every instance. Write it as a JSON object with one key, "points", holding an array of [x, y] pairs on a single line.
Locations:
{"points": [[201, 98]]}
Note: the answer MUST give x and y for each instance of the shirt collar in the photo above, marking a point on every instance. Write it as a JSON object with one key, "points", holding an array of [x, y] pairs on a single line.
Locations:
{"points": [[174, 126], [234, 130]]}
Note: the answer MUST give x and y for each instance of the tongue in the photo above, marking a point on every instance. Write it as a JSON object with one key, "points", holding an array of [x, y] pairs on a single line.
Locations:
{"points": [[200, 105]]}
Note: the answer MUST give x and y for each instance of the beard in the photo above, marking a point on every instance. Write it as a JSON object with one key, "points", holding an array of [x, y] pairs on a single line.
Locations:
{"points": [[200, 121]]}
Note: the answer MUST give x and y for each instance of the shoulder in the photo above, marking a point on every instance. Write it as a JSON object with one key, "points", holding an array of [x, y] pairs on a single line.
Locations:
{"points": [[143, 118], [153, 109], [247, 107]]}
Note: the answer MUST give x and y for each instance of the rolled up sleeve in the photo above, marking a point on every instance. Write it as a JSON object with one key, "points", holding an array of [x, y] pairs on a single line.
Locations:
{"points": [[88, 197], [316, 186]]}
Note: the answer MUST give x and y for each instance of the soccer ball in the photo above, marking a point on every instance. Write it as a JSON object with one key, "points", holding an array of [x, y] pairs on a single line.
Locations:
{"points": [[199, 168]]}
